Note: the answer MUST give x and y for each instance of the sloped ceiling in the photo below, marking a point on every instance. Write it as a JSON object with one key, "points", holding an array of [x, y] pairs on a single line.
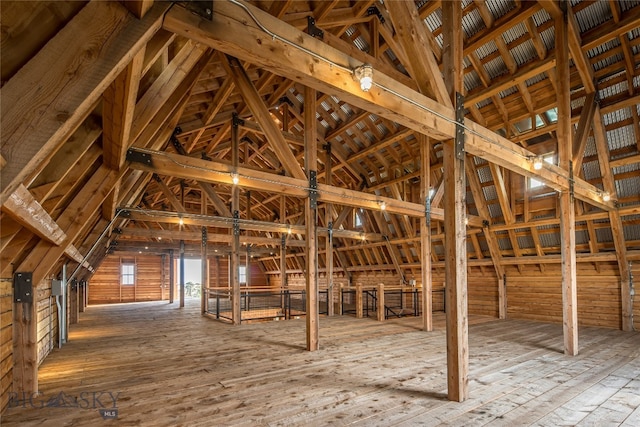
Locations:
{"points": [[136, 79]]}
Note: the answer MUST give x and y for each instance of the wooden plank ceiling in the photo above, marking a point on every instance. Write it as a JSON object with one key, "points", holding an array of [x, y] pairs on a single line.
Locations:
{"points": [[76, 96]]}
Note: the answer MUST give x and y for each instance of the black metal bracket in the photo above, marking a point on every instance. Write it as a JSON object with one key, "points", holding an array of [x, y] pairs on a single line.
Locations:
{"points": [[427, 210], [204, 237], [203, 8], [485, 223], [135, 156], [123, 212], [312, 30], [176, 143], [571, 182], [236, 120], [459, 140], [373, 10], [313, 189], [117, 230], [327, 147], [330, 229], [204, 156], [23, 287], [236, 223]]}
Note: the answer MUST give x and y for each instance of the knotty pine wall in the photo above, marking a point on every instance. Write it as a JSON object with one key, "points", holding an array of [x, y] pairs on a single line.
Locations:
{"points": [[105, 287], [537, 295], [532, 293], [151, 285], [47, 331], [6, 341]]}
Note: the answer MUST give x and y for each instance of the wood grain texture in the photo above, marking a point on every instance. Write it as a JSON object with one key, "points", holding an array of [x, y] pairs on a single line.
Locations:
{"points": [[368, 373]]}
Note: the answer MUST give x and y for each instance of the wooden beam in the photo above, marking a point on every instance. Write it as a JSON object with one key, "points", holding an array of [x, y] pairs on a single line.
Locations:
{"points": [[118, 104], [30, 135], [220, 173], [611, 29], [502, 83], [23, 207], [566, 201], [231, 32], [262, 115], [617, 230], [311, 219], [582, 133], [412, 34], [580, 59], [454, 222]]}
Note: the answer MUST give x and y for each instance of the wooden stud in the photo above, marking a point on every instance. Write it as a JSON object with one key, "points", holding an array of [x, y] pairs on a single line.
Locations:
{"points": [[172, 279]]}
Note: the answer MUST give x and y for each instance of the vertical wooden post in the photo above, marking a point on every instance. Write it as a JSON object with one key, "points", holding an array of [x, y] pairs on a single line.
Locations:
{"points": [[329, 242], [567, 209], [380, 308], [172, 277], [283, 246], [311, 216], [502, 298], [25, 347], [204, 276], [425, 233], [234, 257], [454, 208], [163, 259], [181, 273], [359, 308]]}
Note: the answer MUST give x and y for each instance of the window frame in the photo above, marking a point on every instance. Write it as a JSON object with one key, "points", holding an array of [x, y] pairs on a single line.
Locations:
{"points": [[126, 276]]}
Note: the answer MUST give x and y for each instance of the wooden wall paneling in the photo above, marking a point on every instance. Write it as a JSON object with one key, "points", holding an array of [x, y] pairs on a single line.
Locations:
{"points": [[6, 342]]}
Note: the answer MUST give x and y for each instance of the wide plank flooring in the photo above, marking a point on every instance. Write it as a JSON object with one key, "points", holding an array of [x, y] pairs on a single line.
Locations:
{"points": [[167, 366]]}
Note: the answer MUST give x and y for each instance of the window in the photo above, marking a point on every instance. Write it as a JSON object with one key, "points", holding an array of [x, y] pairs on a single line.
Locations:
{"points": [[243, 274], [358, 219], [534, 183], [127, 274]]}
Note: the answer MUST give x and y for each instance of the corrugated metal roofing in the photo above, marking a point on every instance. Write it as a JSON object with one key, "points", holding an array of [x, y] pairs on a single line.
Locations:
{"points": [[591, 170], [504, 244], [582, 237], [549, 240], [541, 17], [604, 235], [499, 8], [472, 23], [494, 210], [590, 149], [490, 193], [621, 137], [471, 80], [526, 242], [631, 232], [593, 15], [548, 36], [434, 21], [629, 187], [484, 173], [524, 52], [496, 67], [486, 49]]}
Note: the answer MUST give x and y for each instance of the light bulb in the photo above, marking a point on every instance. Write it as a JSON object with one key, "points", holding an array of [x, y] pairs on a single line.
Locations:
{"points": [[364, 74], [383, 205], [606, 196], [537, 163], [234, 178], [289, 229], [181, 222]]}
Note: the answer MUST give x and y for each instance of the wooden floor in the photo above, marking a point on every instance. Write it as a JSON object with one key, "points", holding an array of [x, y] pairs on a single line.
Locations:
{"points": [[173, 367]]}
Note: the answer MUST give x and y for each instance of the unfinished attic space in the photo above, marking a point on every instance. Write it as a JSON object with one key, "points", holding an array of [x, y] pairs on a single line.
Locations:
{"points": [[306, 212]]}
